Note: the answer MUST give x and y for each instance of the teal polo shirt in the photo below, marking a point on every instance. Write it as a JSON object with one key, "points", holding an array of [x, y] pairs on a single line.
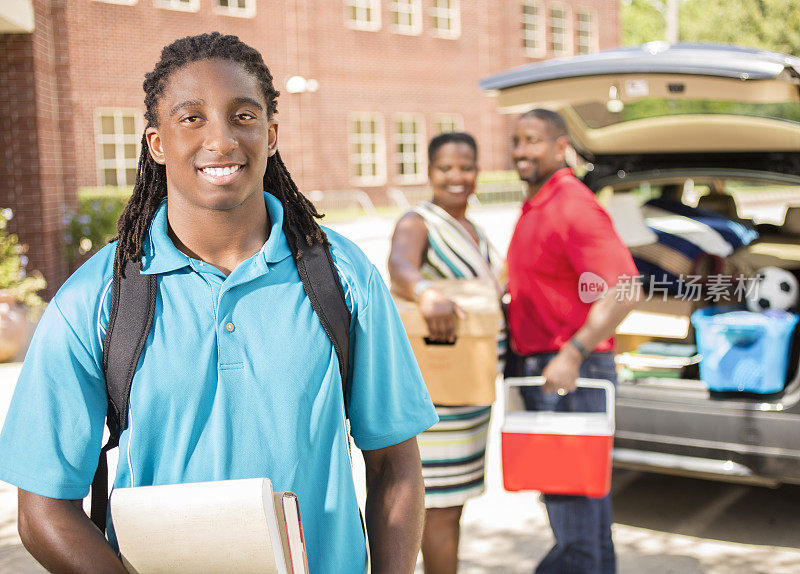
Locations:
{"points": [[238, 380]]}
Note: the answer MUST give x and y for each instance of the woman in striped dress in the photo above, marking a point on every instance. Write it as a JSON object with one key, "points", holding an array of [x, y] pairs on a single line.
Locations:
{"points": [[435, 240]]}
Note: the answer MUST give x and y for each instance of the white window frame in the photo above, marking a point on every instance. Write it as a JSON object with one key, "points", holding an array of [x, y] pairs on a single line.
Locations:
{"points": [[379, 156], [456, 121], [534, 30], [413, 8], [452, 14], [177, 5], [249, 11], [594, 36], [120, 2], [361, 7], [568, 33], [416, 158], [119, 139]]}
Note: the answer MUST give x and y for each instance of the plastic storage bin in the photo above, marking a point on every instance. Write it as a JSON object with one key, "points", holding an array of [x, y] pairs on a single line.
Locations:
{"points": [[557, 452], [743, 351]]}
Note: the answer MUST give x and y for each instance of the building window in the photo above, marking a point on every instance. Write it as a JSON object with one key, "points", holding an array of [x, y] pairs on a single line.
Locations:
{"points": [[363, 14], [560, 44], [182, 5], [446, 18], [410, 148], [533, 29], [407, 16], [586, 32], [118, 135], [238, 8], [446, 123], [367, 151]]}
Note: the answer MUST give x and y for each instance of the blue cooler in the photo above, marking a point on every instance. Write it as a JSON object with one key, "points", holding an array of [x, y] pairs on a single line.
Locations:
{"points": [[743, 351]]}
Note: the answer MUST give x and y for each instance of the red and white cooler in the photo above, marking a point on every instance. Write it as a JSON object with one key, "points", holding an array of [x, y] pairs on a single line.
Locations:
{"points": [[557, 452]]}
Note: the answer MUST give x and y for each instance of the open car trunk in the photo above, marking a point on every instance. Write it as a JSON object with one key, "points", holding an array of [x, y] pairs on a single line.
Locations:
{"points": [[668, 416]]}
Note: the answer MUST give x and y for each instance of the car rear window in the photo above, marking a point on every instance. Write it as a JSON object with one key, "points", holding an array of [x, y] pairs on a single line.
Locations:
{"points": [[597, 114]]}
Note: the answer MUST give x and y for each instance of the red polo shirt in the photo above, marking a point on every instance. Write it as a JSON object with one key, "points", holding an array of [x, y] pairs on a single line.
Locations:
{"points": [[564, 240]]}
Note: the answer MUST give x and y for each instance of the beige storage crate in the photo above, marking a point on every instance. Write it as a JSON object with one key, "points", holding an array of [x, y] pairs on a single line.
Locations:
{"points": [[658, 319], [462, 373]]}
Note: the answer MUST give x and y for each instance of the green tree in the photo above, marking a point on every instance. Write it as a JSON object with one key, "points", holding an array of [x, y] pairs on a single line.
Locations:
{"points": [[767, 24], [643, 21]]}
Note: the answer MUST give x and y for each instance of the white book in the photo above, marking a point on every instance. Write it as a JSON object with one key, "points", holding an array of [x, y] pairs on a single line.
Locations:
{"points": [[644, 361], [209, 527]]}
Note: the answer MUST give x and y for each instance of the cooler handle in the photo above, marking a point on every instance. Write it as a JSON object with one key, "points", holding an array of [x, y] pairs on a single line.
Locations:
{"points": [[603, 384]]}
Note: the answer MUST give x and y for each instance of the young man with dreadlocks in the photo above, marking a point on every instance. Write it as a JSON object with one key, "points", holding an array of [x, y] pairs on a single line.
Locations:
{"points": [[238, 378]]}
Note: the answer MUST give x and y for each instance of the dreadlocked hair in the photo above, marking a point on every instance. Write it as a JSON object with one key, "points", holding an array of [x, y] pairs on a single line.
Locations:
{"points": [[150, 187]]}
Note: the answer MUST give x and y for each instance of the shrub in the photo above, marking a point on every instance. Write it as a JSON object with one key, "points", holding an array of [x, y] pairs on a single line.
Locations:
{"points": [[14, 279], [95, 222]]}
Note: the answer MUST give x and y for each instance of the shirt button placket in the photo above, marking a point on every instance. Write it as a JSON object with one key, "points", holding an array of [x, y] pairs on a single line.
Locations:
{"points": [[228, 345]]}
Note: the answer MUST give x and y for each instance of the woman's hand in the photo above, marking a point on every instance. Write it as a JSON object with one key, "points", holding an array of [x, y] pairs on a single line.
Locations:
{"points": [[441, 314]]}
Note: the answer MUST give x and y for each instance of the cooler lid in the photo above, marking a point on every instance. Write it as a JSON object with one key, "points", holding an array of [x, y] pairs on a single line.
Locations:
{"points": [[558, 423]]}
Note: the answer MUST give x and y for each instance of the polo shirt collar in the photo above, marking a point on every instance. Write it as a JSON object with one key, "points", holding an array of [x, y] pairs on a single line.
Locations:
{"points": [[161, 255], [277, 247], [547, 190]]}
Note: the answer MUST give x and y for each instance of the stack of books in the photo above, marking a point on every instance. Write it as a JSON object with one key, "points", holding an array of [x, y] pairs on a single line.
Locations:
{"points": [[237, 526], [657, 360]]}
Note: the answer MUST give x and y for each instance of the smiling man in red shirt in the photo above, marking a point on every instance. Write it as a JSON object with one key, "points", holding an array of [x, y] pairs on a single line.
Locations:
{"points": [[565, 261]]}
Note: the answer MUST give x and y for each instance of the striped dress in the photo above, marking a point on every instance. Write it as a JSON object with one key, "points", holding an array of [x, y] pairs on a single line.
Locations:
{"points": [[454, 449]]}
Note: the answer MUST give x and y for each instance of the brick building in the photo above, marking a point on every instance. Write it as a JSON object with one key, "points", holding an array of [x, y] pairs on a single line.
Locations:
{"points": [[372, 81]]}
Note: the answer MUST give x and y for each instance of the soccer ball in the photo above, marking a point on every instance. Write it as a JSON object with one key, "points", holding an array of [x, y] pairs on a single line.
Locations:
{"points": [[774, 288]]}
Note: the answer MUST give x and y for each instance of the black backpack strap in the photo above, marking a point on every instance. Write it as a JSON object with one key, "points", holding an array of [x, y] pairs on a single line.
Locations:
{"points": [[133, 303], [99, 506], [321, 283]]}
